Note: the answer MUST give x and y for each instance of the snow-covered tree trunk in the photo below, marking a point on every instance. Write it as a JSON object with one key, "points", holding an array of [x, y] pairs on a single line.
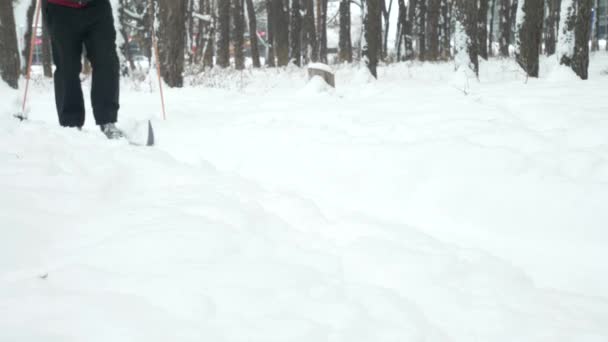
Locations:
{"points": [[253, 34], [505, 27], [573, 41], [238, 19], [9, 49], [553, 7], [465, 35], [371, 43], [172, 33], [482, 28], [223, 41], [345, 43], [528, 35]]}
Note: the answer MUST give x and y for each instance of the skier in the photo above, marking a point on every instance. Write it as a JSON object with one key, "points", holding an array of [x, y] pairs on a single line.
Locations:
{"points": [[73, 24]]}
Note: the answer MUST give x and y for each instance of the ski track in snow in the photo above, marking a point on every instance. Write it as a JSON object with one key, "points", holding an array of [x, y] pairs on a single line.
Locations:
{"points": [[280, 210]]}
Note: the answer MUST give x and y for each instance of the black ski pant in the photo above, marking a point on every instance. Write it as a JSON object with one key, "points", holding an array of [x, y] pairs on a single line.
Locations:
{"points": [[71, 29]]}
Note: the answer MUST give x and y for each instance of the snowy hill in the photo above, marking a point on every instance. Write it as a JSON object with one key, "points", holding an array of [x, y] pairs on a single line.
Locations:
{"points": [[274, 209]]}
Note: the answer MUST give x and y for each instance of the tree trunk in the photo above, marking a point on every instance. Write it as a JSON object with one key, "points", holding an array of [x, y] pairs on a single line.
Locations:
{"points": [[409, 29], [573, 46], [270, 58], [281, 33], [386, 13], [210, 41], [310, 34], [505, 27], [172, 15], [482, 28], [434, 11], [9, 49], [551, 26], [223, 42], [296, 33], [27, 36], [372, 25], [401, 22], [238, 19], [253, 34], [323, 31], [422, 12], [595, 39], [491, 35], [466, 34], [446, 33], [345, 44], [528, 35]]}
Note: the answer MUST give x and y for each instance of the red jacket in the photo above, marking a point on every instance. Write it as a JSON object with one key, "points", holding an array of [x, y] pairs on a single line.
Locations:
{"points": [[70, 3]]}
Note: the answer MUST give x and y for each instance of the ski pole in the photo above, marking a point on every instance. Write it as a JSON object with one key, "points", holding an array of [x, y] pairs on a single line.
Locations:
{"points": [[30, 59], [157, 59]]}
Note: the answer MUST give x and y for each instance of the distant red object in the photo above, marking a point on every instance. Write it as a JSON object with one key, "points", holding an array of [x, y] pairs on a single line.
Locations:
{"points": [[67, 3]]}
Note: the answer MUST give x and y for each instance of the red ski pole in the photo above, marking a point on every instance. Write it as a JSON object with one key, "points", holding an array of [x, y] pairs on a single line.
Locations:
{"points": [[157, 60], [30, 59]]}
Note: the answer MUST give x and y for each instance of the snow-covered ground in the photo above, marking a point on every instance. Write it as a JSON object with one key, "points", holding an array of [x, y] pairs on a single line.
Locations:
{"points": [[420, 207]]}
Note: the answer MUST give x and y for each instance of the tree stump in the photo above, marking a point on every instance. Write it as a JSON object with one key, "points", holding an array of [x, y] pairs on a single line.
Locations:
{"points": [[323, 71]]}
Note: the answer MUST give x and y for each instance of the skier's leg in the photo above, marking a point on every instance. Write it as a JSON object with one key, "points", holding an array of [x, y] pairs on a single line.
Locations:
{"points": [[100, 43], [66, 43]]}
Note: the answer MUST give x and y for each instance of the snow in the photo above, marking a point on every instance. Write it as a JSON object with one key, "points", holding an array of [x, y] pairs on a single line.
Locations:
{"points": [[276, 210], [320, 66]]}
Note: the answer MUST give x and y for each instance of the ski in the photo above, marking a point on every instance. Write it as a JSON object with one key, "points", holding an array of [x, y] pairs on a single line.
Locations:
{"points": [[149, 140]]}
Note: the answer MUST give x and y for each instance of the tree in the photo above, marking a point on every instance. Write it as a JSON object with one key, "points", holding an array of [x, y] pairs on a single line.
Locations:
{"points": [[528, 35], [491, 35], [172, 33], [421, 16], [552, 20], [445, 29], [27, 36], [322, 30], [595, 30], [434, 11], [9, 49], [401, 22], [345, 43], [466, 35], [281, 32], [296, 33], [573, 46], [409, 29], [310, 34], [371, 45], [223, 41], [253, 34], [238, 19], [505, 27], [270, 58], [482, 28]]}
